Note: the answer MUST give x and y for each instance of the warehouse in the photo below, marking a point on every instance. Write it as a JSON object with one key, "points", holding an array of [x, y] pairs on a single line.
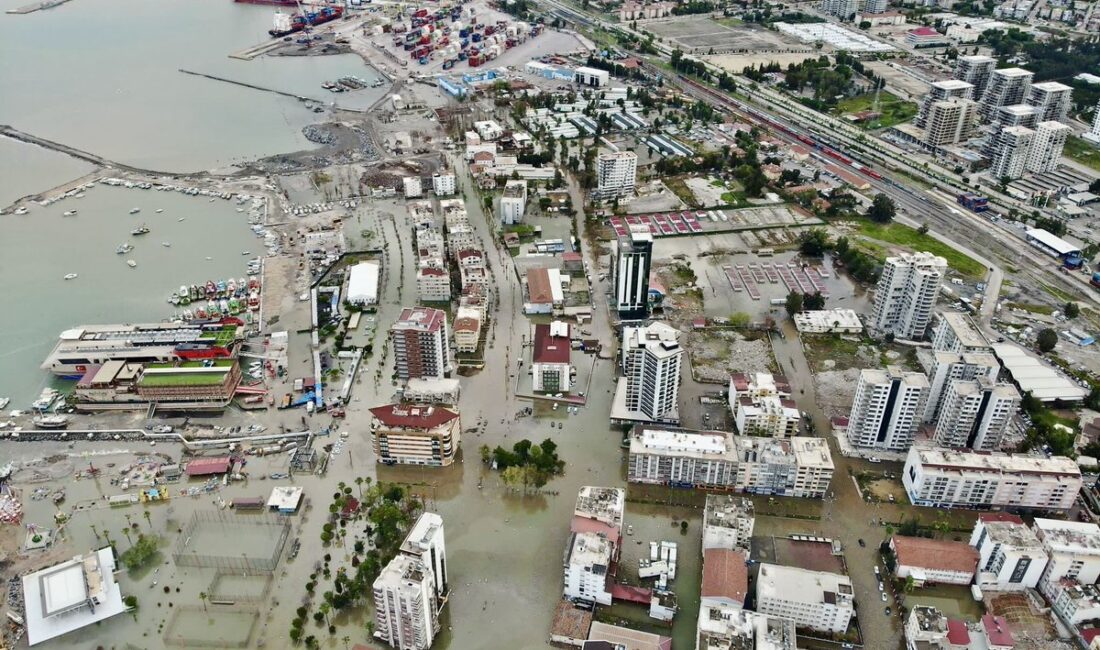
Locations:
{"points": [[1032, 375], [592, 77], [1052, 245], [363, 284]]}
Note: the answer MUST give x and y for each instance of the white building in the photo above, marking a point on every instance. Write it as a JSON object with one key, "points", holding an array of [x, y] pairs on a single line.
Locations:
{"points": [[948, 478], [1046, 147], [426, 543], [551, 369], [728, 522], [513, 202], [1010, 556], [650, 363], [814, 599], [1075, 603], [828, 321], [1094, 134], [1053, 100], [413, 187], [956, 332], [587, 569], [799, 466], [975, 70], [887, 408], [71, 595], [935, 561], [942, 91], [760, 409], [727, 627], [488, 130], [592, 77], [1011, 147], [842, 9], [633, 257], [616, 173], [906, 294], [363, 284], [443, 184], [1006, 86], [467, 328], [406, 611], [1073, 552], [950, 121], [948, 367], [975, 414], [433, 284]]}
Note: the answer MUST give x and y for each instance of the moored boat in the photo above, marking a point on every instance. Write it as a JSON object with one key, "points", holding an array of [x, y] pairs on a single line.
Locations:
{"points": [[70, 276], [143, 230], [131, 263], [135, 210], [51, 421]]}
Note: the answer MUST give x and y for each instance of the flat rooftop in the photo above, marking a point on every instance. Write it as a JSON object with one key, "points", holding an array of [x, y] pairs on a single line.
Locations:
{"points": [[57, 598], [974, 461]]}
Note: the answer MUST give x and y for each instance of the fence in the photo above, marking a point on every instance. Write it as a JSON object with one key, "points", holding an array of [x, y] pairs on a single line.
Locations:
{"points": [[257, 545], [201, 627]]}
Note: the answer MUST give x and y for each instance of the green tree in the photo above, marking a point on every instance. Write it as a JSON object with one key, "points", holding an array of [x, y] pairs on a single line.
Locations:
{"points": [[814, 243], [882, 209], [813, 301], [740, 319], [910, 584], [1046, 340], [794, 303], [1071, 310], [203, 597]]}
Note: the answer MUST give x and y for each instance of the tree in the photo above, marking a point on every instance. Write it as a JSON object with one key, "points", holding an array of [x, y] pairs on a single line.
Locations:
{"points": [[813, 301], [140, 553], [1046, 340], [148, 517], [814, 243], [882, 209], [794, 303], [910, 584], [203, 597], [740, 319], [1071, 310]]}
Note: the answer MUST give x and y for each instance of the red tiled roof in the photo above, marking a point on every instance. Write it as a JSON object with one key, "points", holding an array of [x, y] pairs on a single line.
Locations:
{"points": [[631, 594], [207, 466], [413, 416], [468, 252], [571, 256], [586, 525], [466, 324], [548, 348], [996, 628], [989, 517], [538, 286], [431, 270], [420, 318], [1089, 634], [944, 555], [725, 575], [740, 381], [957, 634], [924, 31]]}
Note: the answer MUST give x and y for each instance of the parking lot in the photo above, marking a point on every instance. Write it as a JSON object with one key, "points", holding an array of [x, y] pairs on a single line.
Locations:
{"points": [[701, 35]]}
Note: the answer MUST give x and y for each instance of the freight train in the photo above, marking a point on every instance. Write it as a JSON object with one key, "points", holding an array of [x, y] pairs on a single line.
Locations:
{"points": [[759, 116]]}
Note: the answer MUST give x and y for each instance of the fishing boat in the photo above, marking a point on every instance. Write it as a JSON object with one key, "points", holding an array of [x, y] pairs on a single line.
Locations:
{"points": [[221, 286], [201, 313], [231, 286], [174, 299], [181, 219], [135, 210], [143, 230], [246, 253], [184, 291], [188, 315], [166, 244], [224, 304], [124, 248], [51, 421], [254, 301], [70, 276], [70, 213], [131, 263], [211, 289], [195, 292], [159, 210]]}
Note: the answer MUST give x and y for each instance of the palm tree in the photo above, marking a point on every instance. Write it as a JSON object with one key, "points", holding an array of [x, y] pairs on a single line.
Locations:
{"points": [[126, 532], [359, 484], [148, 519], [203, 597]]}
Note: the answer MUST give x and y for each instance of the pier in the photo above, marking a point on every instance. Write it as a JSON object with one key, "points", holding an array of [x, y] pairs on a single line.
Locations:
{"points": [[243, 84], [257, 50]]}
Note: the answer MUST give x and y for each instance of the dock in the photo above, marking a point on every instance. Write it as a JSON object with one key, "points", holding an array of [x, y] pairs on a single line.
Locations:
{"points": [[250, 53], [244, 84], [36, 6]]}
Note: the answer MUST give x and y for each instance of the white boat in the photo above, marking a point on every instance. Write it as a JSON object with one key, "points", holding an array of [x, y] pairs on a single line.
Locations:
{"points": [[181, 219], [166, 244], [159, 210], [69, 213], [21, 210], [131, 263], [246, 252], [135, 210], [4, 401], [124, 248], [51, 421], [70, 276]]}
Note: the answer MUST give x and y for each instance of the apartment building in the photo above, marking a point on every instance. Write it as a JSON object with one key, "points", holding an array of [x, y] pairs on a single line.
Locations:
{"points": [[1094, 134], [761, 406], [413, 434], [633, 258], [433, 284], [976, 71], [950, 121], [443, 184], [1051, 99], [963, 478], [426, 543], [513, 202], [550, 358], [587, 569], [816, 600], [728, 522], [728, 627], [906, 294], [413, 187], [650, 362], [942, 91], [975, 414], [1073, 552], [616, 173], [948, 367], [1045, 152], [1006, 86], [799, 466], [842, 9], [887, 408], [1010, 555], [405, 612], [467, 329], [421, 344], [928, 629], [957, 332], [1010, 152]]}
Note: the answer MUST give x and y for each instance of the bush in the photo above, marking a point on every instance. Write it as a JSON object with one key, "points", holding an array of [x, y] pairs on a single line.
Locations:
{"points": [[141, 553]]}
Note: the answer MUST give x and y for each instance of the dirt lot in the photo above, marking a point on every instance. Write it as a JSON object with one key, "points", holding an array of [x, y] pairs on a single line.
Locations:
{"points": [[1031, 629], [717, 353], [702, 34]]}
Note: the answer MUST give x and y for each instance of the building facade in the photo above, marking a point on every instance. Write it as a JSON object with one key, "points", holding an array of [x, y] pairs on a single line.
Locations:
{"points": [[814, 599], [942, 91], [408, 434], [1073, 552], [906, 294], [467, 329], [405, 612], [1046, 146], [513, 202], [616, 173], [633, 258], [421, 344], [950, 121], [760, 408], [956, 332], [976, 71], [949, 367], [1010, 556], [1010, 152], [651, 358], [443, 184], [1052, 100], [933, 561], [1006, 86], [975, 414], [887, 408]]}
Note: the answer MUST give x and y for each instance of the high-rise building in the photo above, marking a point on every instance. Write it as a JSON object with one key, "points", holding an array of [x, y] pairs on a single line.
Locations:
{"points": [[948, 367], [405, 612], [513, 202], [1023, 115], [875, 6], [443, 184], [633, 258], [1094, 134], [1052, 100], [421, 344], [1010, 556], [616, 173], [887, 408], [956, 332], [842, 9], [1046, 147], [1006, 86], [975, 414], [950, 121], [415, 434], [1010, 152], [1073, 551], [905, 295], [425, 542], [976, 70], [941, 91], [651, 370]]}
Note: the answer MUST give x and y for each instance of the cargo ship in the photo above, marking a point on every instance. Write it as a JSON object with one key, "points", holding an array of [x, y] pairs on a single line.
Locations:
{"points": [[286, 24], [274, 3]]}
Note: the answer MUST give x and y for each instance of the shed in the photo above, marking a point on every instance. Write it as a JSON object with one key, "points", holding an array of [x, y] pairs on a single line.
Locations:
{"points": [[208, 466]]}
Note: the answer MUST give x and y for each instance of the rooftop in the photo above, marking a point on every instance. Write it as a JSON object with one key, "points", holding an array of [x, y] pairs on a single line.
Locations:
{"points": [[964, 329], [424, 319], [725, 575], [549, 344], [71, 595], [802, 585], [285, 497], [422, 533], [628, 639], [724, 511], [964, 460], [571, 621], [996, 629], [1068, 536], [1013, 534], [207, 466], [591, 550], [944, 555], [602, 504], [413, 416]]}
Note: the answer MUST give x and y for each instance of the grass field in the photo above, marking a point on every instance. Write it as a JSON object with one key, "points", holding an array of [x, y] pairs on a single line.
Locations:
{"points": [[895, 233], [1083, 152], [894, 109]]}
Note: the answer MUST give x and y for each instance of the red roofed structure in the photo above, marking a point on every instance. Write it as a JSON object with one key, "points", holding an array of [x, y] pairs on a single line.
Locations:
{"points": [[996, 630], [551, 346], [725, 576], [934, 561], [414, 434], [208, 466], [586, 525], [957, 634]]}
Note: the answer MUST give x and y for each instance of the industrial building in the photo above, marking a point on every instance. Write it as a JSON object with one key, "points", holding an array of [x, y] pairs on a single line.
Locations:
{"points": [[544, 291], [828, 321], [591, 77], [1033, 375], [411, 434], [971, 479]]}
